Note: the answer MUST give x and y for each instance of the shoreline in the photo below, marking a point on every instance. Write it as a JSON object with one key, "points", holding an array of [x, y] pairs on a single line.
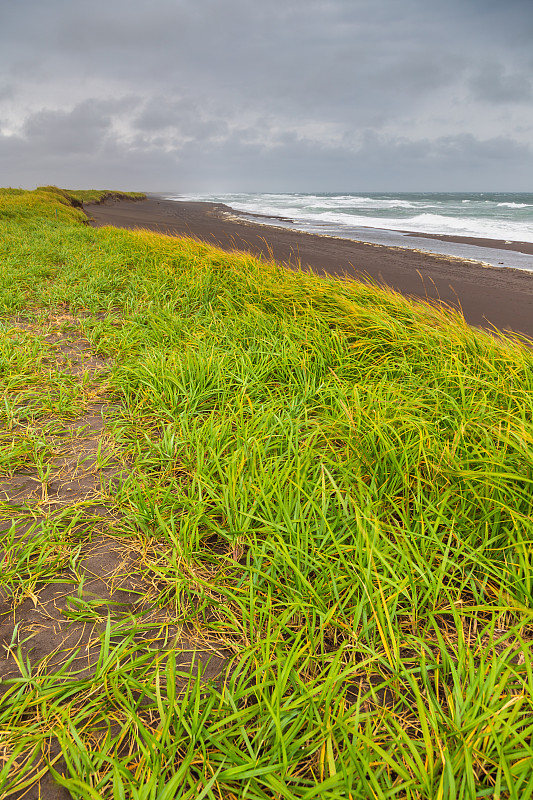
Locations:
{"points": [[526, 248], [488, 296], [497, 244]]}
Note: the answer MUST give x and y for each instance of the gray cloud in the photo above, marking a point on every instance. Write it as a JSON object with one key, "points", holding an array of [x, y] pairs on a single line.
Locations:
{"points": [[493, 84], [234, 163], [286, 94], [78, 131], [6, 92]]}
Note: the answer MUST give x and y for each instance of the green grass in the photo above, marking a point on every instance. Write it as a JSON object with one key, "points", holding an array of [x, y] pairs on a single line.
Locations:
{"points": [[328, 482], [92, 195]]}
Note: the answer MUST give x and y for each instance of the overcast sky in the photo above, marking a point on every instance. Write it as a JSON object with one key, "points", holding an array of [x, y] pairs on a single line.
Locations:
{"points": [[267, 95]]}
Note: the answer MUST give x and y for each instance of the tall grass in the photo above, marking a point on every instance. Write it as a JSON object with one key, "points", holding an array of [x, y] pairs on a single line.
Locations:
{"points": [[328, 483]]}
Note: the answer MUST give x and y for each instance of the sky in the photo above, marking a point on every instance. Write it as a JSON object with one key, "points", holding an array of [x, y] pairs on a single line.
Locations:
{"points": [[198, 96]]}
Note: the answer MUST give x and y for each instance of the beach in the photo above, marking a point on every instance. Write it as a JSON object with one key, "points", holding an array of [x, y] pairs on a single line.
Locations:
{"points": [[488, 297]]}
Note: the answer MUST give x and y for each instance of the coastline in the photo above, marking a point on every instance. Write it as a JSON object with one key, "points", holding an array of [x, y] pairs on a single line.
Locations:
{"points": [[525, 248], [496, 244], [490, 297]]}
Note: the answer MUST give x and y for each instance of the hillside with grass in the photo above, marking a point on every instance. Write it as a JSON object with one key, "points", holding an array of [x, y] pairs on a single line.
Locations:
{"points": [[262, 534]]}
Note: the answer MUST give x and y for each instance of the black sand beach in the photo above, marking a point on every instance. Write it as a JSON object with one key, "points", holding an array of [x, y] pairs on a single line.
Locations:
{"points": [[491, 297]]}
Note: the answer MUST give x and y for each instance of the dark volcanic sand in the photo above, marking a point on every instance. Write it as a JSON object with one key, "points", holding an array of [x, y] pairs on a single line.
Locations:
{"points": [[487, 296]]}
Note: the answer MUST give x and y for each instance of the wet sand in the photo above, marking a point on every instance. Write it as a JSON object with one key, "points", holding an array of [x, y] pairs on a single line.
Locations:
{"points": [[491, 297]]}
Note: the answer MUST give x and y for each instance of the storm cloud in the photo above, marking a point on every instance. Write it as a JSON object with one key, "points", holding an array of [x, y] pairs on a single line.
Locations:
{"points": [[286, 95]]}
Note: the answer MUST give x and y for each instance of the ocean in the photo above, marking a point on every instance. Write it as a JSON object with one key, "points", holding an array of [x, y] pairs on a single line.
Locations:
{"points": [[391, 218]]}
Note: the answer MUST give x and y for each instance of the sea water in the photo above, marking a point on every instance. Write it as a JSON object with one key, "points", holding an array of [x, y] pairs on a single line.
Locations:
{"points": [[391, 219]]}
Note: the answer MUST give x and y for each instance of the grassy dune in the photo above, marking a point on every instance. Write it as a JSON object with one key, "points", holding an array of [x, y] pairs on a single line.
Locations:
{"points": [[91, 195], [323, 494]]}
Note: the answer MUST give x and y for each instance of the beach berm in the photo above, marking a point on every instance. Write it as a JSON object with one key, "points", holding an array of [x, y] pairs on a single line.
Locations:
{"points": [[489, 297], [264, 534]]}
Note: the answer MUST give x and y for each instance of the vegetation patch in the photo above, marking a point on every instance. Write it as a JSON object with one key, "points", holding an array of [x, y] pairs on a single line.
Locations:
{"points": [[263, 535], [88, 196]]}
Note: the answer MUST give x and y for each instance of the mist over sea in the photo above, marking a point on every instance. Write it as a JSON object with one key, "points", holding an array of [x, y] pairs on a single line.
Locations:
{"points": [[391, 218]]}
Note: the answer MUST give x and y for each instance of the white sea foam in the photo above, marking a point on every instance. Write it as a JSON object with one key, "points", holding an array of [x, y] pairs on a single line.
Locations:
{"points": [[438, 224], [492, 216]]}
